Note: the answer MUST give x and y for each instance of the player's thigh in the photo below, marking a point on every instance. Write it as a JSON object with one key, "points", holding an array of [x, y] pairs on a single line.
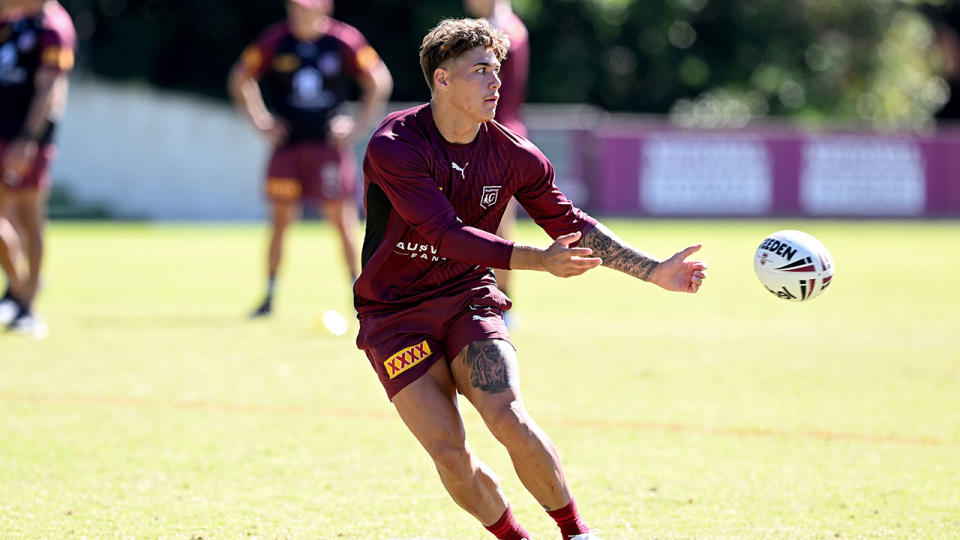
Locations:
{"points": [[487, 373], [340, 212], [6, 202], [428, 407], [8, 234], [283, 213], [29, 208], [8, 220]]}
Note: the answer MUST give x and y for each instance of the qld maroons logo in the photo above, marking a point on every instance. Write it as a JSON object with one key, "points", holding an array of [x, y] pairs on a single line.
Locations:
{"points": [[489, 196]]}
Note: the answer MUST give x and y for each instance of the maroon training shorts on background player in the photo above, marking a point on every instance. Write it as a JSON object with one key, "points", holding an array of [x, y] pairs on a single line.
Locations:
{"points": [[402, 358], [38, 177], [311, 172]]}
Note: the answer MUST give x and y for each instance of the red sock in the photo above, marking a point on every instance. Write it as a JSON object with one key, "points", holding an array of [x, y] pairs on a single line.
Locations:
{"points": [[507, 528], [568, 520]]}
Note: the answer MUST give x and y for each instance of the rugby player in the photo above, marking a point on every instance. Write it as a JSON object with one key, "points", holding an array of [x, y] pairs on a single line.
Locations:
{"points": [[291, 84], [436, 180], [37, 47]]}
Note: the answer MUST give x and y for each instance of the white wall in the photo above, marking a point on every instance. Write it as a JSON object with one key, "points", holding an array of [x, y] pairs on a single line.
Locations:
{"points": [[144, 153], [147, 154]]}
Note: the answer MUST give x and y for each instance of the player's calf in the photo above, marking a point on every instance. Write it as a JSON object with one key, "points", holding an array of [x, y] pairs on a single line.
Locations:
{"points": [[453, 462], [472, 485]]}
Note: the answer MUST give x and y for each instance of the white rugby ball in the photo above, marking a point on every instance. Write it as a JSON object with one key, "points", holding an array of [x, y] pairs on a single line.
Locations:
{"points": [[793, 265]]}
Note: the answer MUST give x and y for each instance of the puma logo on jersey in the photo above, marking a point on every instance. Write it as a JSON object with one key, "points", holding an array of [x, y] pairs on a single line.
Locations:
{"points": [[461, 169]]}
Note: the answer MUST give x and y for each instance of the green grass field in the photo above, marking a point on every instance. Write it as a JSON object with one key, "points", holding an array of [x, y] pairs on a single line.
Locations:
{"points": [[156, 410]]}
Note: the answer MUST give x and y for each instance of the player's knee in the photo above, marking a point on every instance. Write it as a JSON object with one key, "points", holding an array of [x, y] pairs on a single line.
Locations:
{"points": [[509, 421], [280, 224], [34, 232], [452, 458]]}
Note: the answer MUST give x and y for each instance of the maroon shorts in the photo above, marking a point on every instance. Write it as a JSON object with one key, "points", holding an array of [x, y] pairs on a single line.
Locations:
{"points": [[38, 177], [403, 346], [311, 172]]}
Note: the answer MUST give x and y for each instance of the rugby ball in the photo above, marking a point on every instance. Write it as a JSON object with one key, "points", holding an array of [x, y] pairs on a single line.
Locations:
{"points": [[793, 265]]}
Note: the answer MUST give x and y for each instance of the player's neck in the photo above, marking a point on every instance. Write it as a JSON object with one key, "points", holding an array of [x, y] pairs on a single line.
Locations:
{"points": [[312, 31], [23, 7], [452, 124]]}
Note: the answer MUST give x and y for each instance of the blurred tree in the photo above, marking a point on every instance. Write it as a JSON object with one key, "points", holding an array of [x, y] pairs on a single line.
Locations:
{"points": [[705, 62], [944, 19]]}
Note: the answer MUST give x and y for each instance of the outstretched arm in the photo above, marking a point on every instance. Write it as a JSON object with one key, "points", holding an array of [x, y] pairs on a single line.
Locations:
{"points": [[559, 258], [673, 274]]}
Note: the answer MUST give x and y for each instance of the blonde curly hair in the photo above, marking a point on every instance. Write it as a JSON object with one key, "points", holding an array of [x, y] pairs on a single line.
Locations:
{"points": [[453, 37]]}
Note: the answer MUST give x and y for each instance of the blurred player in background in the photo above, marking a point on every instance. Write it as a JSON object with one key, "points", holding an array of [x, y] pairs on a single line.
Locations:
{"points": [[291, 83], [37, 46], [513, 92], [944, 20], [437, 178]]}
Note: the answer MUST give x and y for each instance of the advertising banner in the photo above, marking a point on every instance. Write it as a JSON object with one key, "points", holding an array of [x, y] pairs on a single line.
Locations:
{"points": [[672, 172]]}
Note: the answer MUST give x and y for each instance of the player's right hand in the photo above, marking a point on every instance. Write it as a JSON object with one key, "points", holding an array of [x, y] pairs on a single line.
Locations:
{"points": [[9, 178], [274, 130], [564, 261], [17, 160], [342, 129]]}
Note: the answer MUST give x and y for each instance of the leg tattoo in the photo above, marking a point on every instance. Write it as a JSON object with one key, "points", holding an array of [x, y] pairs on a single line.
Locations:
{"points": [[488, 368]]}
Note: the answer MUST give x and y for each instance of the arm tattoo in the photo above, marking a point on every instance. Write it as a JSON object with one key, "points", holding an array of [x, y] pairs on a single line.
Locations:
{"points": [[488, 367], [616, 254]]}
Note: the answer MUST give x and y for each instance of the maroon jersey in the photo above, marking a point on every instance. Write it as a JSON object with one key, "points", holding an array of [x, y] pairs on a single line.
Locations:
{"points": [[513, 74], [433, 206], [45, 40], [304, 82]]}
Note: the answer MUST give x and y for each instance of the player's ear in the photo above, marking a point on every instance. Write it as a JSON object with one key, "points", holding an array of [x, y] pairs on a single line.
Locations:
{"points": [[441, 78]]}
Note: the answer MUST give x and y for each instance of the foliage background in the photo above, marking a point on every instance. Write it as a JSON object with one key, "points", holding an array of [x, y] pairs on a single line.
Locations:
{"points": [[708, 63]]}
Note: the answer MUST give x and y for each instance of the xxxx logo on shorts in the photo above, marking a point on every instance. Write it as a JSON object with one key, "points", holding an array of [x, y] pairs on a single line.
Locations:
{"points": [[406, 359]]}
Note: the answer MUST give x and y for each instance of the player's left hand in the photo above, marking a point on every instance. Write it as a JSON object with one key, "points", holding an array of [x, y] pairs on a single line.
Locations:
{"points": [[18, 158], [680, 275], [9, 178], [341, 130]]}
